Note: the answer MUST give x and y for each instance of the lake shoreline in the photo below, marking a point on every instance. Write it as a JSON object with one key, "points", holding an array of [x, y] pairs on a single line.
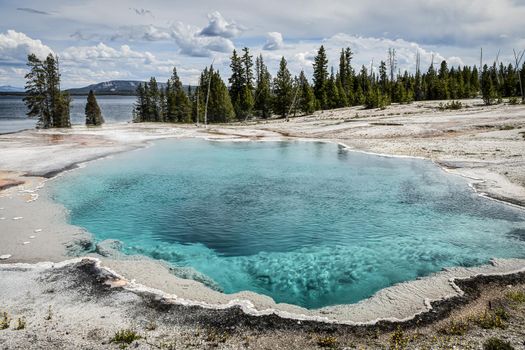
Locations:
{"points": [[111, 139]]}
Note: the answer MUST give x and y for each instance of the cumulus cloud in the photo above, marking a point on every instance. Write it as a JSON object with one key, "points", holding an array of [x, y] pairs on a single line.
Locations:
{"points": [[274, 41], [219, 26], [102, 52], [15, 46], [33, 11], [191, 43], [188, 38], [141, 32], [367, 49]]}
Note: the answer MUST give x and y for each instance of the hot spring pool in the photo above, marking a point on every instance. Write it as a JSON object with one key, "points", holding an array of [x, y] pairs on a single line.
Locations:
{"points": [[305, 223]]}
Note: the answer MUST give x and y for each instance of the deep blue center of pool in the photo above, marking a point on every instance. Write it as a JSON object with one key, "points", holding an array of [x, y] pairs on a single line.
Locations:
{"points": [[306, 223]]}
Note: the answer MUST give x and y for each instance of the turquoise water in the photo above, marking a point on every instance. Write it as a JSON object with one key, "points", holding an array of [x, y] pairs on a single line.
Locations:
{"points": [[306, 223]]}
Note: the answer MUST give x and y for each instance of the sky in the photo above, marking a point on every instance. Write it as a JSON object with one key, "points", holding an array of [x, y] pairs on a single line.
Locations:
{"points": [[100, 40]]}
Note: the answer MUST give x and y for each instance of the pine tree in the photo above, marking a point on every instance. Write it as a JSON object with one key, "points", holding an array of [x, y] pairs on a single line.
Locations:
{"points": [[383, 79], [263, 90], [306, 98], [220, 107], [431, 81], [44, 98], [283, 89], [93, 113], [237, 82], [35, 88], [177, 102], [140, 108], [247, 98], [342, 100], [488, 91], [153, 101], [163, 106], [332, 91], [442, 88], [320, 77]]}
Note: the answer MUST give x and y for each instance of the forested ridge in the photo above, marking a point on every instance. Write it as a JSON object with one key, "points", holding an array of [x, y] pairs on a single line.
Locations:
{"points": [[253, 92]]}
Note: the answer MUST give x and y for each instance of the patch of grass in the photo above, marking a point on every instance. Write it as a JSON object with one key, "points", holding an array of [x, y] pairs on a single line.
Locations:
{"points": [[452, 105], [455, 328], [125, 336], [215, 337], [492, 319], [516, 296], [398, 340], [507, 127], [327, 342], [496, 344], [5, 321], [20, 324]]}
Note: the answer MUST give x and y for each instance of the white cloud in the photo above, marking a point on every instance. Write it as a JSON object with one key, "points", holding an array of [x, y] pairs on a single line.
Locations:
{"points": [[15, 46], [274, 41], [219, 26], [192, 44], [367, 49], [103, 52]]}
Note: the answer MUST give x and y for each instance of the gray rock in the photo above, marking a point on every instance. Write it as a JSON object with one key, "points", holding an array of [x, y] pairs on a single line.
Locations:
{"points": [[109, 248], [191, 274]]}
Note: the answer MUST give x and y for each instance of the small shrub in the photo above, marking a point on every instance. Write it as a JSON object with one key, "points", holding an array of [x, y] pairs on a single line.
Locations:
{"points": [[490, 320], [496, 344], [5, 321], [327, 342], [501, 313], [151, 325], [516, 296], [215, 337], [20, 324], [453, 105], [398, 340], [514, 101], [125, 336], [455, 328]]}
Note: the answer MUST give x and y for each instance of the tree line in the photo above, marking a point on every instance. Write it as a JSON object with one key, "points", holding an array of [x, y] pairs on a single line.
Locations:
{"points": [[253, 92], [45, 100]]}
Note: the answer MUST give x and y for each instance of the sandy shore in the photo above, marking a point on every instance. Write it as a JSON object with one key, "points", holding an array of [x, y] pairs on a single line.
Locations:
{"points": [[485, 144]]}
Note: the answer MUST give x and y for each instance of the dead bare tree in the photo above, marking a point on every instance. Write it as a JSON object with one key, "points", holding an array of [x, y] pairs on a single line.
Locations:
{"points": [[498, 72], [292, 106], [418, 62], [518, 56], [208, 95], [392, 62], [480, 63]]}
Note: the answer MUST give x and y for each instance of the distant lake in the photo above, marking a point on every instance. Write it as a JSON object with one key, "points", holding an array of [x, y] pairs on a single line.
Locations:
{"points": [[13, 111]]}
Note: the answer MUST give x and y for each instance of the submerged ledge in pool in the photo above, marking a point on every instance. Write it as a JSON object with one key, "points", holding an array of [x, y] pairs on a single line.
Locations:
{"points": [[306, 223]]}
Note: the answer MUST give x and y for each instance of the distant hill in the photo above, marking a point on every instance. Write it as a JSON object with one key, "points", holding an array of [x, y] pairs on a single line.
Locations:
{"points": [[9, 88], [113, 87]]}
